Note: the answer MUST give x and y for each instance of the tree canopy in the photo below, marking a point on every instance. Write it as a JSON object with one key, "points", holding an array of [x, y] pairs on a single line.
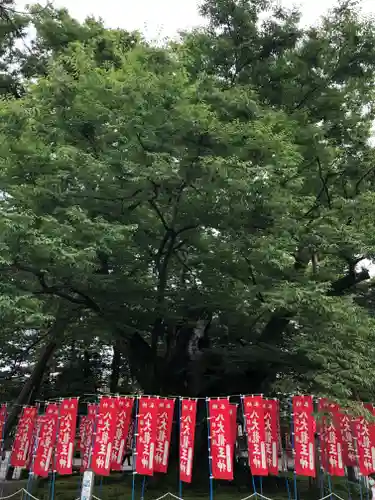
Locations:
{"points": [[189, 219]]}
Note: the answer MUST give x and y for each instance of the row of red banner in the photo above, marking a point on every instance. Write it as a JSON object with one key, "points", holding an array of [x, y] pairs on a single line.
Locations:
{"points": [[46, 442]]}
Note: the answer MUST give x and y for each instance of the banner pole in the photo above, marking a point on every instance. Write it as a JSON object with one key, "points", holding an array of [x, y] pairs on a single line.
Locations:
{"points": [[143, 488], [33, 451], [88, 480], [135, 446], [6, 463], [53, 477], [209, 449], [293, 448], [179, 413], [247, 445]]}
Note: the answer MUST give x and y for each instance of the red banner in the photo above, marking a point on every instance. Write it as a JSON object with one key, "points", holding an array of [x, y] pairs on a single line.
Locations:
{"points": [[145, 443], [66, 436], [3, 417], [86, 438], [349, 455], [221, 439], [46, 441], [104, 436], [256, 435], [35, 434], [124, 408], [233, 423], [187, 434], [331, 439], [23, 437], [304, 441], [82, 431], [271, 418], [365, 446], [163, 434]]}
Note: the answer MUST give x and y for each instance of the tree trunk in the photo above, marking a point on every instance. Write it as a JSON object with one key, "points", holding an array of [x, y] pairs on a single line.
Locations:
{"points": [[33, 383], [115, 369]]}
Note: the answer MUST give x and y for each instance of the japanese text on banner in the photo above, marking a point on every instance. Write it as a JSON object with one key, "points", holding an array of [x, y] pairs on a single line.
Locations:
{"points": [[365, 446], [23, 437], [146, 436], [87, 436], [82, 430], [124, 409], [256, 436], [187, 436], [330, 438], [66, 436], [104, 436], [221, 439], [349, 455], [163, 434], [271, 417], [46, 441], [304, 441]]}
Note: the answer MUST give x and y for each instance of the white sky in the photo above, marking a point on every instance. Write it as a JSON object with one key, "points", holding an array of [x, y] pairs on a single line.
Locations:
{"points": [[160, 18]]}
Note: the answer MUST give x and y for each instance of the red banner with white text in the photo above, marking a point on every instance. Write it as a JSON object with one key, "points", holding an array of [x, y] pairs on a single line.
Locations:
{"points": [[66, 436], [163, 434], [304, 440], [256, 434], [104, 436], [221, 439], [187, 436], [124, 409], [331, 438], [87, 436], [23, 437], [145, 442], [345, 423], [82, 430], [271, 418], [46, 441], [365, 446]]}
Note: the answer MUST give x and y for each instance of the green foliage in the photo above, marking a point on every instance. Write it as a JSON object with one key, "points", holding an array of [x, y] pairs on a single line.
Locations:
{"points": [[206, 206]]}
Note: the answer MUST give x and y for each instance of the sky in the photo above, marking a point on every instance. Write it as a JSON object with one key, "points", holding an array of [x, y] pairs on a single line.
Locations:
{"points": [[164, 18]]}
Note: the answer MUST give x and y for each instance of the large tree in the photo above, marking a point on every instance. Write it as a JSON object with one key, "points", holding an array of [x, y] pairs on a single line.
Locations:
{"points": [[204, 206]]}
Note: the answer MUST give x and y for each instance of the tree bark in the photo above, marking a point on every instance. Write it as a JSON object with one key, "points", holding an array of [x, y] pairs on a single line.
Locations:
{"points": [[34, 381], [115, 369]]}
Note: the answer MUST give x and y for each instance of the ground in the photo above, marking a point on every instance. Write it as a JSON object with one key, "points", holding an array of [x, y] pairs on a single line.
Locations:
{"points": [[116, 487]]}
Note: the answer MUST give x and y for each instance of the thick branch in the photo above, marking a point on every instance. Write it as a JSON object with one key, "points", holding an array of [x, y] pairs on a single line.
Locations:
{"points": [[278, 322]]}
